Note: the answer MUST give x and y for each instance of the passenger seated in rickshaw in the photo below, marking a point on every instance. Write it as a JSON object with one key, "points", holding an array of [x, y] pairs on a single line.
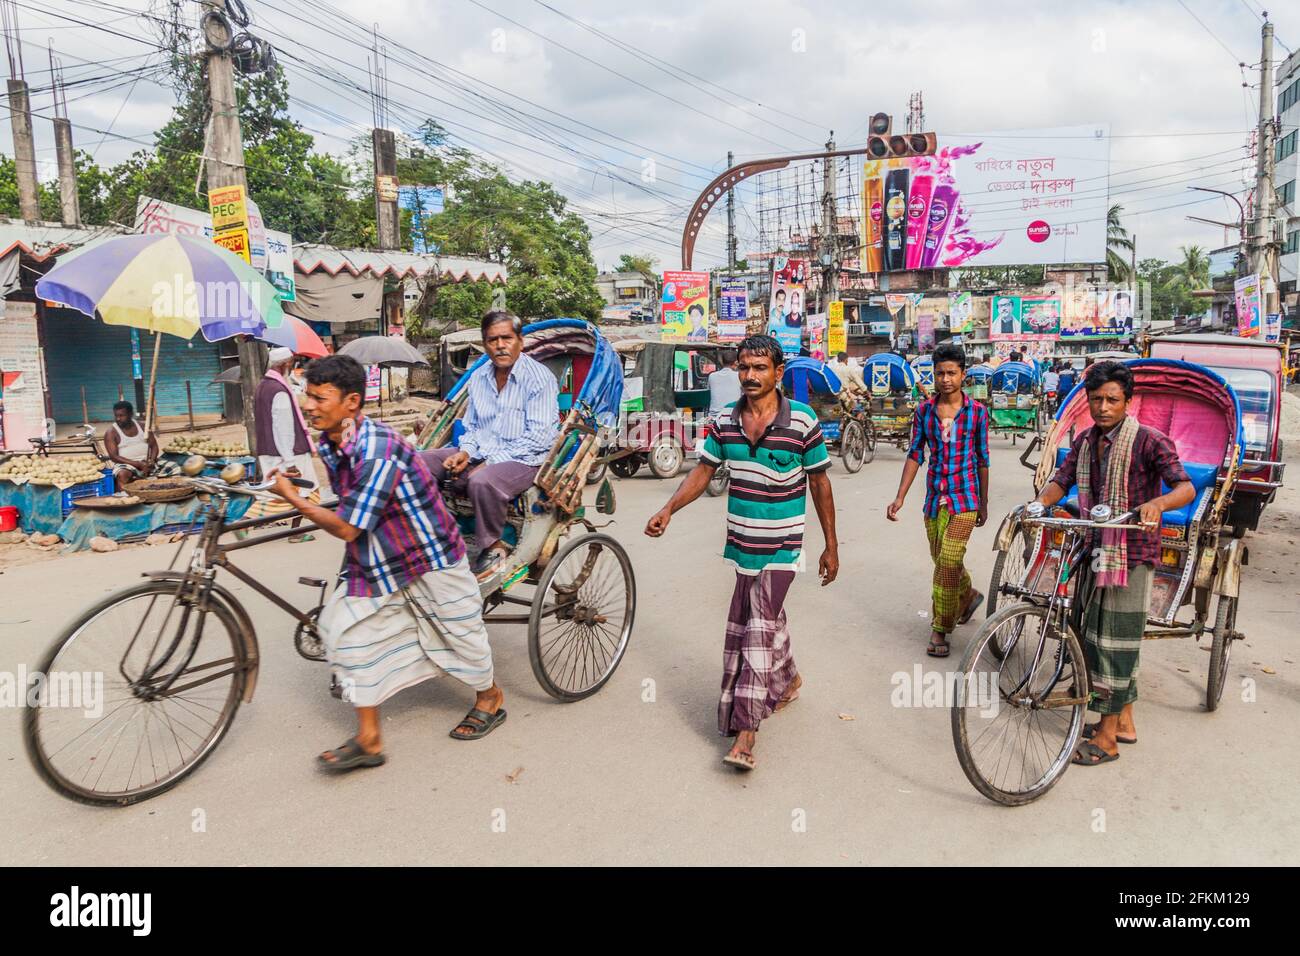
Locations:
{"points": [[510, 423]]}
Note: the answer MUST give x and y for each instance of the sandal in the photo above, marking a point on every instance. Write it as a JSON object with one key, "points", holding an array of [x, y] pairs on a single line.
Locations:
{"points": [[787, 698], [937, 650], [969, 613], [1090, 730], [1090, 755], [480, 723], [741, 760], [349, 756]]}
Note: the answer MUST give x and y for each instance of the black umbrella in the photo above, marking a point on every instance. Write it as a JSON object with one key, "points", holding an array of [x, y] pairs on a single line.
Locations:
{"points": [[229, 377], [384, 351]]}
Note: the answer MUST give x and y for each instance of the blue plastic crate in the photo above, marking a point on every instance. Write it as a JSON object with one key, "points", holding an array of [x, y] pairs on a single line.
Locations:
{"points": [[88, 489]]}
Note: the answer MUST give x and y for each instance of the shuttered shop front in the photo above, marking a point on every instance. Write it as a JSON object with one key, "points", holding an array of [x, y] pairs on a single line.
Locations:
{"points": [[84, 352]]}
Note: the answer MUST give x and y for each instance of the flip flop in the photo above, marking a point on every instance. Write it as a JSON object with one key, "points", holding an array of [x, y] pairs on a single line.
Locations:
{"points": [[741, 761], [480, 724], [970, 611], [938, 650], [1087, 752], [1090, 730], [349, 756], [785, 702]]}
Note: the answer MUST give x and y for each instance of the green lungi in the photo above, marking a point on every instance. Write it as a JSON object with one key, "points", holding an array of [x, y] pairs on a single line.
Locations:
{"points": [[1113, 624], [950, 586]]}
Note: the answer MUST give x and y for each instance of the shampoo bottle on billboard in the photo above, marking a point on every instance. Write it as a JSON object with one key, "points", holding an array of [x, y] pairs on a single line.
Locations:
{"points": [[918, 209], [896, 219], [875, 245], [943, 206]]}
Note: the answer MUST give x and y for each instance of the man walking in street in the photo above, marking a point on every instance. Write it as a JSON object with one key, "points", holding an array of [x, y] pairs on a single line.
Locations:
{"points": [[1120, 463], [955, 431], [510, 422], [408, 607], [724, 384], [775, 452]]}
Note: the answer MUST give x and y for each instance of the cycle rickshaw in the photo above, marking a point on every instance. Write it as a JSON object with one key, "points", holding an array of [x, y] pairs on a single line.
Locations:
{"points": [[179, 652], [976, 383], [1024, 668], [844, 421], [892, 384], [923, 368], [1016, 400]]}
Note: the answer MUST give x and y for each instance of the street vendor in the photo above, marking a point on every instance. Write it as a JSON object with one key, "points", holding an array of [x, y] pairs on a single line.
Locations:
{"points": [[511, 421], [407, 607], [1121, 463], [281, 431], [776, 454], [132, 450]]}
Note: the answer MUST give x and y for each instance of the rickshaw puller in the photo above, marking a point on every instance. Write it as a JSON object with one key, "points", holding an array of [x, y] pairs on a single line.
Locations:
{"points": [[775, 451], [403, 553], [511, 421], [955, 429], [1121, 463]]}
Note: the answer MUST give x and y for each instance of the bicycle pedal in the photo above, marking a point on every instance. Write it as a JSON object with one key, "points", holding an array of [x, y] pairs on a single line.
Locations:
{"points": [[312, 582]]}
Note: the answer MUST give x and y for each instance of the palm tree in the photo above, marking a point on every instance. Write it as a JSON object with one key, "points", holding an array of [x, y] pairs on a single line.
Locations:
{"points": [[1119, 246], [1194, 270]]}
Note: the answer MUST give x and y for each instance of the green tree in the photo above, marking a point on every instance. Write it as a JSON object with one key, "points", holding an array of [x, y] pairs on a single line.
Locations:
{"points": [[1119, 246], [1195, 267]]}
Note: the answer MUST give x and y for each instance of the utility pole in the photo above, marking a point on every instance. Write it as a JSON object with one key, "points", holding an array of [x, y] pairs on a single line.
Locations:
{"points": [[225, 167], [20, 114], [1263, 246], [830, 254], [731, 223], [383, 146], [69, 202]]}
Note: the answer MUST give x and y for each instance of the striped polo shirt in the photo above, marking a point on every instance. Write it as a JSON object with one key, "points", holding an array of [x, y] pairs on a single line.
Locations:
{"points": [[769, 483]]}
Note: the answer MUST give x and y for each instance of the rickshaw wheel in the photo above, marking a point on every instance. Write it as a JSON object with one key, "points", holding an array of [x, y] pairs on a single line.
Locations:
{"points": [[718, 483], [597, 473], [625, 467], [1009, 567], [307, 641], [582, 617], [666, 457], [1225, 625], [869, 430], [853, 447]]}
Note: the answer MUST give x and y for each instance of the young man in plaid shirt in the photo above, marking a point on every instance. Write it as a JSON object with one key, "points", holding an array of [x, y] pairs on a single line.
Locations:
{"points": [[956, 432], [408, 607]]}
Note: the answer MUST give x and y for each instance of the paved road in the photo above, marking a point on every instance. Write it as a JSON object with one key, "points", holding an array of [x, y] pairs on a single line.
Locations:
{"points": [[617, 779]]}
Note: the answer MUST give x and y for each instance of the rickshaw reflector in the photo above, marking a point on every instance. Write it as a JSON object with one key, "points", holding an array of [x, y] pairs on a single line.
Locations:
{"points": [[1171, 533], [1169, 556]]}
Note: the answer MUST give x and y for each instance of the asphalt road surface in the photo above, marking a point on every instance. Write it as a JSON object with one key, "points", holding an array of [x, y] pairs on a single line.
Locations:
{"points": [[634, 774]]}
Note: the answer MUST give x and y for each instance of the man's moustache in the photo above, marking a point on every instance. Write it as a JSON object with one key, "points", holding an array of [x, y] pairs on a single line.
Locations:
{"points": [[751, 384]]}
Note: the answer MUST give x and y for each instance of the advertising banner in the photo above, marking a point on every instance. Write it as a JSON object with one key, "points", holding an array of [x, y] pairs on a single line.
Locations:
{"points": [[786, 307], [685, 307], [22, 379], [837, 339], [817, 325], [1012, 198], [1273, 327], [1038, 349], [1040, 315], [1246, 293], [733, 310], [228, 206], [961, 312], [925, 331], [235, 240]]}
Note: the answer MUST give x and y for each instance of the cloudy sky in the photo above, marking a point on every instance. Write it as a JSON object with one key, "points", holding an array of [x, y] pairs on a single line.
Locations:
{"points": [[630, 109]]}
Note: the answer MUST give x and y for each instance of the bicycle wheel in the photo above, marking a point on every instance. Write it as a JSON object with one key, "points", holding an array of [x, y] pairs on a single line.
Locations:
{"points": [[1017, 716], [719, 482], [130, 744], [853, 446], [1225, 628], [582, 617], [1008, 568]]}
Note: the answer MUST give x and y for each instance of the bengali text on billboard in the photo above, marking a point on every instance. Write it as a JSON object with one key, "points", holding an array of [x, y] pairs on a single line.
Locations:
{"points": [[685, 307]]}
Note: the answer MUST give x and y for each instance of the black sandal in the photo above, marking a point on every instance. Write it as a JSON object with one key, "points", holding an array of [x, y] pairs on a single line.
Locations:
{"points": [[937, 650], [349, 756], [1090, 731], [1090, 755], [480, 724]]}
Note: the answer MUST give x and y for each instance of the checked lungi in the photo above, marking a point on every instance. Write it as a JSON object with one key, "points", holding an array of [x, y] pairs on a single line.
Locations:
{"points": [[757, 665], [379, 645], [950, 588], [1113, 624]]}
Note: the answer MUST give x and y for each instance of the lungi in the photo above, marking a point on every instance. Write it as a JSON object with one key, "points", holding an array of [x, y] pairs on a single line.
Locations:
{"points": [[950, 588], [377, 646], [489, 488], [1113, 623], [757, 664]]}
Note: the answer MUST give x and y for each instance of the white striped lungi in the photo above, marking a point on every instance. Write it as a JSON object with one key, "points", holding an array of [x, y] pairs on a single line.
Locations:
{"points": [[377, 646]]}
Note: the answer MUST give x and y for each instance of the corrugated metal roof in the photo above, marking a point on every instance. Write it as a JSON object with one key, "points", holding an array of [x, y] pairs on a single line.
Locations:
{"points": [[309, 258]]}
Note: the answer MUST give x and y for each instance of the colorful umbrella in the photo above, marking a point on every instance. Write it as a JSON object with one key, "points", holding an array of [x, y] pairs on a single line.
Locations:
{"points": [[297, 335], [165, 283]]}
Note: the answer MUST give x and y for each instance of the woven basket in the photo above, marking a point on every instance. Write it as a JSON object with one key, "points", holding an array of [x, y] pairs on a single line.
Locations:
{"points": [[156, 490]]}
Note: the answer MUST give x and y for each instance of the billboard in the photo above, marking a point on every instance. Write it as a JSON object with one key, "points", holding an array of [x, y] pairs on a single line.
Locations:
{"points": [[991, 199], [733, 310], [787, 304], [685, 307]]}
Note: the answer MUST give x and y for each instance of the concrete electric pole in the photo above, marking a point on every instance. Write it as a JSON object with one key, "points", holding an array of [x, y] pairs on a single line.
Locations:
{"points": [[830, 252], [731, 223], [1263, 244], [69, 201], [20, 115], [225, 167]]}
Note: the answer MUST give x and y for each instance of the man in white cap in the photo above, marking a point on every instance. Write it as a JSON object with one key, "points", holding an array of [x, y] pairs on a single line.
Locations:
{"points": [[283, 443]]}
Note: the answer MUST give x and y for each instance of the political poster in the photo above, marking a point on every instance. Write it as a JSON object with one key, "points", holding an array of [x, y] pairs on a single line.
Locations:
{"points": [[1246, 293], [787, 305], [733, 310], [685, 307], [925, 331], [961, 312], [1005, 321], [817, 325]]}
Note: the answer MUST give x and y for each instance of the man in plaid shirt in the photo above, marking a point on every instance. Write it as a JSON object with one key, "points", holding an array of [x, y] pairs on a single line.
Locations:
{"points": [[956, 432], [408, 607]]}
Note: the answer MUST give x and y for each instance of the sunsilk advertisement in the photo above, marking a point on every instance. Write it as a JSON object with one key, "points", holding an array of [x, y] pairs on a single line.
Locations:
{"points": [[1023, 197]]}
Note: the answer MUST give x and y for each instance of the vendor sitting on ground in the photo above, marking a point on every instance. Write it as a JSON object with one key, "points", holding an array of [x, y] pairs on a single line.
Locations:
{"points": [[132, 450], [510, 422]]}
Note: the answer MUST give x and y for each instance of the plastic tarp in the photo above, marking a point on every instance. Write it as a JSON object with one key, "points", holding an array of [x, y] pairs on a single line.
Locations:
{"points": [[1013, 377], [805, 376], [601, 390], [979, 373], [131, 523], [887, 371]]}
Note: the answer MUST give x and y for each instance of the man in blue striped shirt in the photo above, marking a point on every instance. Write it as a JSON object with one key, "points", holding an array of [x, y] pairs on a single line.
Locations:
{"points": [[511, 420]]}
